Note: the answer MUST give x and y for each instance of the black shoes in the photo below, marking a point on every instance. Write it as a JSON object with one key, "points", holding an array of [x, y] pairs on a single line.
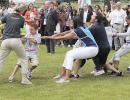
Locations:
{"points": [[116, 74], [74, 76]]}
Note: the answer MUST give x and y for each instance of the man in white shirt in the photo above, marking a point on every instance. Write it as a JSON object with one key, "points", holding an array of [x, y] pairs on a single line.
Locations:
{"points": [[117, 18]]}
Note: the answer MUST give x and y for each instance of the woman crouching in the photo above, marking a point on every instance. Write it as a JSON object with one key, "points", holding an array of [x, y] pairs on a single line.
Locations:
{"points": [[88, 50]]}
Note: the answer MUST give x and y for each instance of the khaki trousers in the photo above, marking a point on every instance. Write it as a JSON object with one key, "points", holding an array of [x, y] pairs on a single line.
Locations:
{"points": [[14, 44]]}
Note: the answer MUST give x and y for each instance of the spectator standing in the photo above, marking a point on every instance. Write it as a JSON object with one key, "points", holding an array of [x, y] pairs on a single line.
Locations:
{"points": [[118, 18]]}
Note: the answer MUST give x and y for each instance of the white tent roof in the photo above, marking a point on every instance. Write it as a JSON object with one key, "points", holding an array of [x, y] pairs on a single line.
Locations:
{"points": [[22, 1]]}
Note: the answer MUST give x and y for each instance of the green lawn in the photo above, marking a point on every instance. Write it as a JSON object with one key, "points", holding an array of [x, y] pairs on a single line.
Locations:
{"points": [[87, 87]]}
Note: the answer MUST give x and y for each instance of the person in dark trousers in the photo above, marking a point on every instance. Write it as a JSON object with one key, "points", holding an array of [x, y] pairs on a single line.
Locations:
{"points": [[99, 33], [52, 21]]}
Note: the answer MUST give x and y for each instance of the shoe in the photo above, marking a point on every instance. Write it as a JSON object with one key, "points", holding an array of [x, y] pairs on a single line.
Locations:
{"points": [[74, 76], [25, 80], [62, 80], [11, 78], [29, 74], [113, 73], [128, 69], [69, 46], [116, 74], [94, 71], [57, 77], [119, 74], [99, 72]]}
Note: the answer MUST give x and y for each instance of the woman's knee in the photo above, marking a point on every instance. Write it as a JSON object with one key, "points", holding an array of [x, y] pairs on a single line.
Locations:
{"points": [[69, 54]]}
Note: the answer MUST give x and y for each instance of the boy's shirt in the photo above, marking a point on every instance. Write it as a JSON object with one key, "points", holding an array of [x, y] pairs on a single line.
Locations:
{"points": [[32, 47], [126, 35]]}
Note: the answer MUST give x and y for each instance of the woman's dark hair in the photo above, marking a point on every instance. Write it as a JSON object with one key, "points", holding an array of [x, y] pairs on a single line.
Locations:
{"points": [[29, 6], [105, 22], [99, 17], [58, 2], [77, 21], [127, 11], [98, 6], [90, 13], [90, 8], [75, 12]]}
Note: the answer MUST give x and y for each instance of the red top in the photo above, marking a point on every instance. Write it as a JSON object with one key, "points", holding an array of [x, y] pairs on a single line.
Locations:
{"points": [[31, 17]]}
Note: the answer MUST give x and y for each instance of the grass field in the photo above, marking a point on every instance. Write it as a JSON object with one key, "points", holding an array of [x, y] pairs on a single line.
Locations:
{"points": [[87, 87]]}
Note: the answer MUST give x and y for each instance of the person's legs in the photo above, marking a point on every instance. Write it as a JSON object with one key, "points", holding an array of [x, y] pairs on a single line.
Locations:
{"points": [[78, 53], [116, 39], [104, 56], [11, 77], [77, 66], [52, 46], [34, 61], [4, 52], [20, 51], [116, 43], [61, 75], [100, 61], [96, 61], [48, 45], [121, 39], [111, 67], [15, 70], [121, 52], [68, 72]]}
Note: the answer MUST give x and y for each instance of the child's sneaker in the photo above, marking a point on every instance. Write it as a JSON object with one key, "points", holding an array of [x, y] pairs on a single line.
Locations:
{"points": [[11, 78], [62, 80], [57, 77], [128, 69]]}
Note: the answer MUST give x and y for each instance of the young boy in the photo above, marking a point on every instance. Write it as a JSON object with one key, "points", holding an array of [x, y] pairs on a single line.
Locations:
{"points": [[32, 40], [125, 49]]}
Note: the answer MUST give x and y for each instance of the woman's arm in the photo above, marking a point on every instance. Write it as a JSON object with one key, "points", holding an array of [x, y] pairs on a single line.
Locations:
{"points": [[69, 35], [61, 34]]}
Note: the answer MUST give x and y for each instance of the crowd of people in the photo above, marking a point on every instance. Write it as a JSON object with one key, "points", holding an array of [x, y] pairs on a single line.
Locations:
{"points": [[91, 28]]}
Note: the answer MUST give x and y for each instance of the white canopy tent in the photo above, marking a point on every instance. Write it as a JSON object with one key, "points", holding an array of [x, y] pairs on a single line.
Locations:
{"points": [[22, 1], [84, 2]]}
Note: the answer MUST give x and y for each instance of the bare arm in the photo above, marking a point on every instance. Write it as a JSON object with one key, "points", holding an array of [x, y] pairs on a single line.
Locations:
{"points": [[61, 34], [69, 35]]}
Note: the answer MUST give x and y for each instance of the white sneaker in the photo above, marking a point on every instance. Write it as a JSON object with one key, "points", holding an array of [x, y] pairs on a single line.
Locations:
{"points": [[69, 46], [25, 80], [62, 80], [93, 72], [128, 69], [100, 72], [57, 77], [11, 78]]}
